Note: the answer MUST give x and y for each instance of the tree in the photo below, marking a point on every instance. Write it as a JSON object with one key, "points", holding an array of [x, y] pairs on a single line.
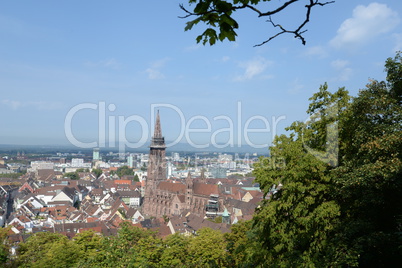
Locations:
{"points": [[393, 67], [207, 249], [218, 16], [4, 245], [48, 250], [175, 253], [124, 170], [120, 250], [148, 252], [369, 181], [72, 175], [90, 243], [295, 223], [243, 247], [335, 203], [136, 178]]}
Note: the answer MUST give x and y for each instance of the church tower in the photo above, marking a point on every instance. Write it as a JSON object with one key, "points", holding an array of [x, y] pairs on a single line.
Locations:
{"points": [[189, 190], [156, 167]]}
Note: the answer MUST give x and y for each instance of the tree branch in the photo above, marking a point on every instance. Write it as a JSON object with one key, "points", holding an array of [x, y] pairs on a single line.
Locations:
{"points": [[213, 7]]}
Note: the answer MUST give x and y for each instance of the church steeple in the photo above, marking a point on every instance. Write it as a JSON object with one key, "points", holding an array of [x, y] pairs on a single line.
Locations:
{"points": [[158, 129], [158, 141], [189, 191], [156, 168], [202, 177]]}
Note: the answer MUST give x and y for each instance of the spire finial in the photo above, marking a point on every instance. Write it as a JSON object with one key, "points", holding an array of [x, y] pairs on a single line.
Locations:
{"points": [[158, 129]]}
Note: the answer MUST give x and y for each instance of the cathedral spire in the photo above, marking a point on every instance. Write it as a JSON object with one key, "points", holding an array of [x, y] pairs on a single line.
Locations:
{"points": [[202, 177], [158, 129], [158, 141]]}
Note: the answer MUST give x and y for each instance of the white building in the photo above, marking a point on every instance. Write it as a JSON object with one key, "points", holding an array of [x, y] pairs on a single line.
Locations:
{"points": [[77, 162], [36, 165]]}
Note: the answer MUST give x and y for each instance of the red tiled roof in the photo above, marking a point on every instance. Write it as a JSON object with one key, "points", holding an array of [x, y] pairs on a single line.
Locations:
{"points": [[92, 219], [172, 187], [205, 189], [127, 182]]}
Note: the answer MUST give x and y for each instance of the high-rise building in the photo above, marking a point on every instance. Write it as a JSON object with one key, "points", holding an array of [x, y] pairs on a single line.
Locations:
{"points": [[96, 155], [130, 160]]}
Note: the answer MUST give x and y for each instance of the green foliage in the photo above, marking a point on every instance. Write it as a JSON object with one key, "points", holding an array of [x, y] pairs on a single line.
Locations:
{"points": [[4, 245], [11, 175], [336, 208], [136, 178], [72, 175], [124, 170], [297, 220], [207, 249], [175, 253], [48, 250], [218, 17], [217, 219], [148, 252], [393, 67], [369, 183], [89, 241], [243, 247]]}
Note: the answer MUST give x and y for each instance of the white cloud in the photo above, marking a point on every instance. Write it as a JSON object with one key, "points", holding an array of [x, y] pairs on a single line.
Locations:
{"points": [[295, 87], [253, 68], [366, 23], [339, 64], [111, 63], [225, 58], [154, 72], [316, 51], [38, 105], [193, 47], [344, 72], [12, 104], [398, 42], [108, 63]]}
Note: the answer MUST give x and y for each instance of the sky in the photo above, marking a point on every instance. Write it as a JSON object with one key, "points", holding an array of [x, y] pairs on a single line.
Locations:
{"points": [[95, 73]]}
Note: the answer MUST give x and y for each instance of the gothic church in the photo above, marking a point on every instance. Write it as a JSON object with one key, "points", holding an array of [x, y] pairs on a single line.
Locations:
{"points": [[167, 198]]}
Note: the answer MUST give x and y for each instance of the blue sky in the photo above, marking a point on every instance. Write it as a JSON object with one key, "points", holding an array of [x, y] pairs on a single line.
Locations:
{"points": [[134, 58]]}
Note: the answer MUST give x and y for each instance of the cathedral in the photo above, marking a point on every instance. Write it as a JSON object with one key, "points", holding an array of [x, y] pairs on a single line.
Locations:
{"points": [[167, 198]]}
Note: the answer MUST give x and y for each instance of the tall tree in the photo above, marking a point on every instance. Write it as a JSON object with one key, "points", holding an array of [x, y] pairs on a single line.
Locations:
{"points": [[4, 244], [369, 183], [334, 191], [175, 253], [207, 249]]}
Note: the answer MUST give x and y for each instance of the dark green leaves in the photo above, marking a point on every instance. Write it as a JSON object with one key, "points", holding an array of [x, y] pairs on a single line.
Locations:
{"points": [[217, 15]]}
